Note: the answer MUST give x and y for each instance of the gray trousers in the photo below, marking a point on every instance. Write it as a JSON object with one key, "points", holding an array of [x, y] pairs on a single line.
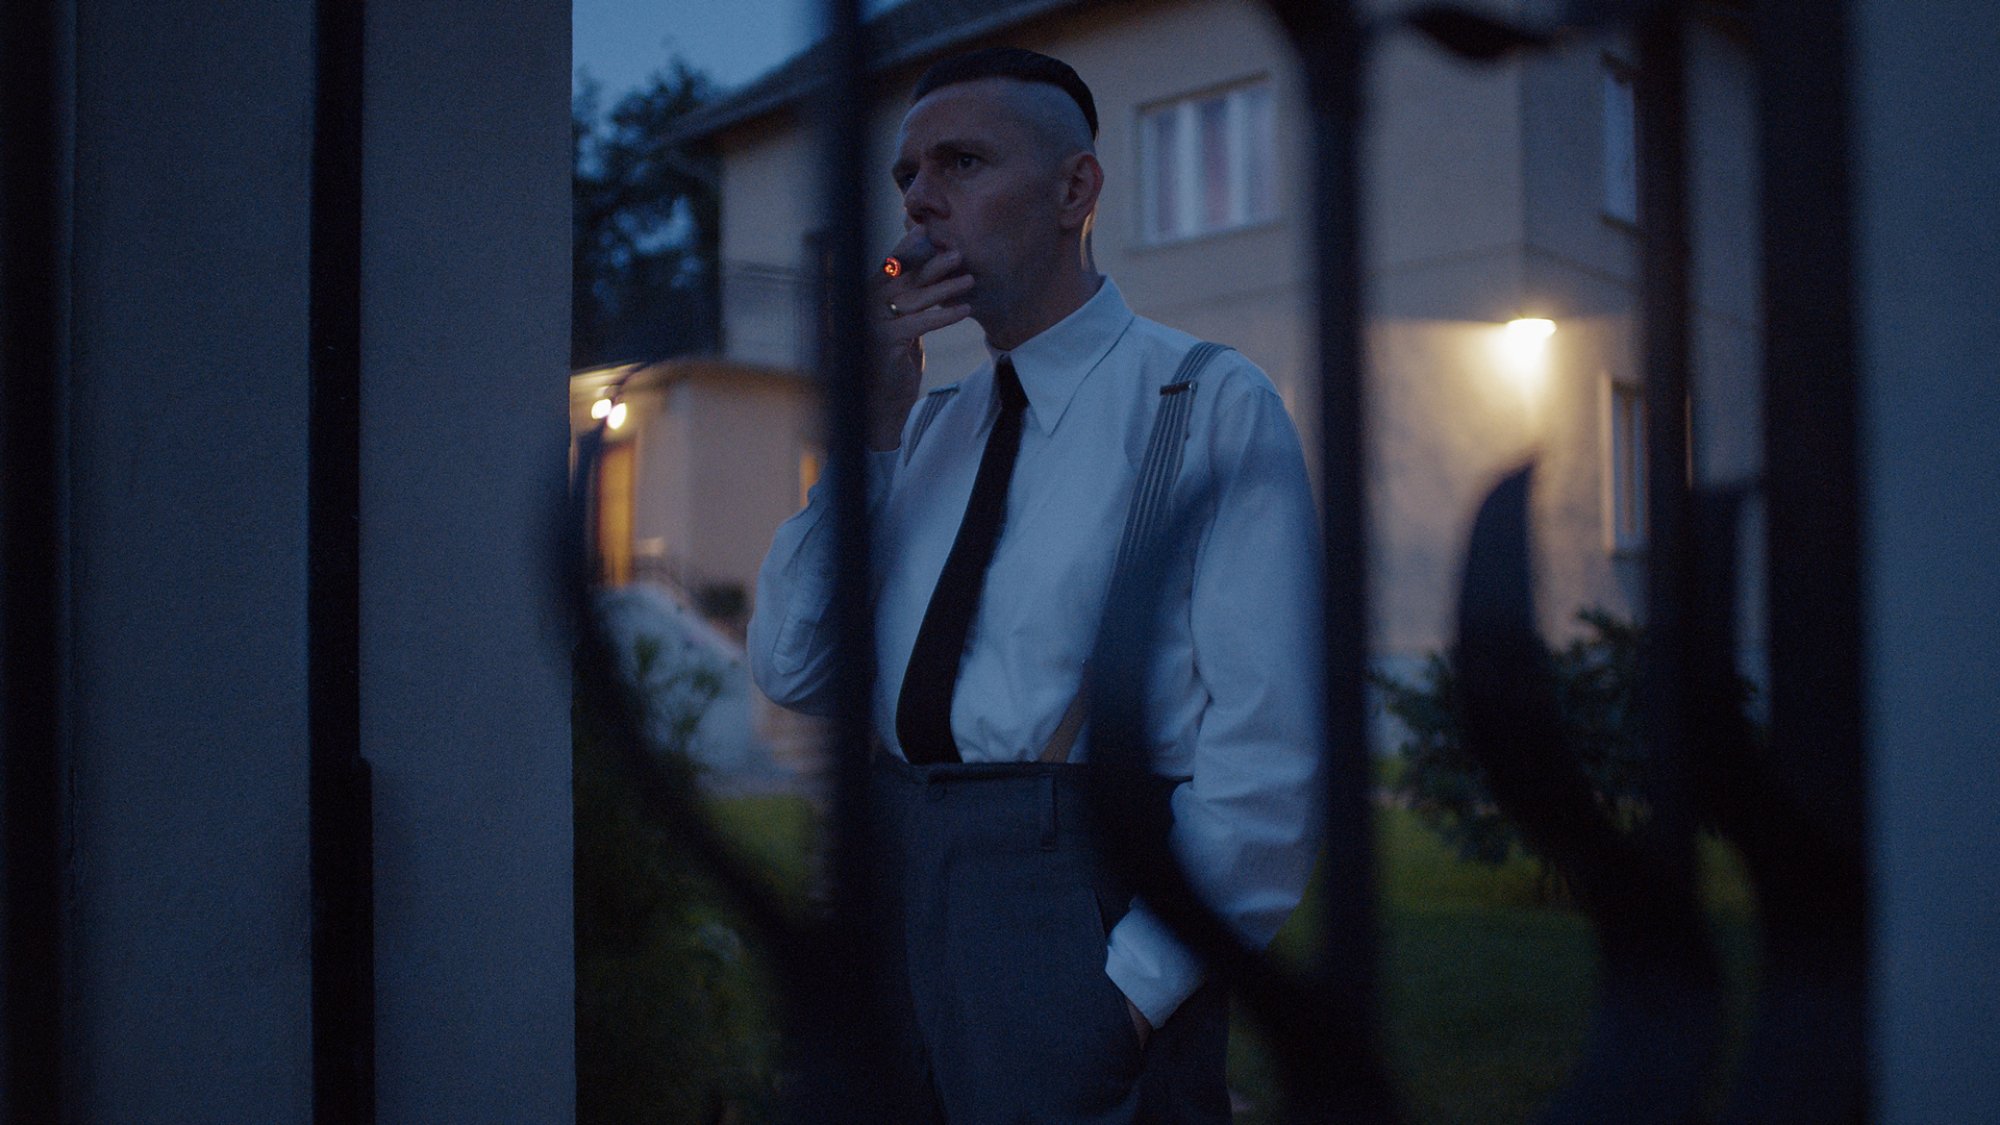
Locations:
{"points": [[995, 918]]}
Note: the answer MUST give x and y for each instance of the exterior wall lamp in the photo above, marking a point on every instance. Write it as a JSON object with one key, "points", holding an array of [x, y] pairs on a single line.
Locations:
{"points": [[1521, 348], [608, 411], [1527, 335]]}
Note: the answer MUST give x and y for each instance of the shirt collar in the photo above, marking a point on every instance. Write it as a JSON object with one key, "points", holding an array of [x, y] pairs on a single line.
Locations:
{"points": [[1054, 363]]}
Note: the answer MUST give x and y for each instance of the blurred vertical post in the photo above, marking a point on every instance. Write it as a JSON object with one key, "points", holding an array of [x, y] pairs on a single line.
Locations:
{"points": [[838, 1015], [1813, 551], [33, 537], [340, 823], [1661, 97], [1811, 437], [1328, 40]]}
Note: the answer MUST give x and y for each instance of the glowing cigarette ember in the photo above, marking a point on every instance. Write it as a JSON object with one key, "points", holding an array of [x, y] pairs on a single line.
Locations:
{"points": [[910, 254]]}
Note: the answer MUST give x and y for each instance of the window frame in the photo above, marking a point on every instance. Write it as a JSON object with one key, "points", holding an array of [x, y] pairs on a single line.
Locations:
{"points": [[1625, 467], [1241, 132], [1618, 127]]}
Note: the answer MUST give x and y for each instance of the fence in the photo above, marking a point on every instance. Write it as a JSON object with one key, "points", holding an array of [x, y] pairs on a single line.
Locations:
{"points": [[1791, 805]]}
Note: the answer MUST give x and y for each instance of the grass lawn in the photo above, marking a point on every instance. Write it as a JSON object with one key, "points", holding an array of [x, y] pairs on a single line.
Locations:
{"points": [[1486, 990], [777, 833]]}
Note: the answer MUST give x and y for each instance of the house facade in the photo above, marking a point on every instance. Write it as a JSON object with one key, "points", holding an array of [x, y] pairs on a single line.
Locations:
{"points": [[1502, 253], [705, 458]]}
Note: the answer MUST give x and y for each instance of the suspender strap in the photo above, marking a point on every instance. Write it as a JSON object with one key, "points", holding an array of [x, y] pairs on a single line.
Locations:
{"points": [[1064, 739], [1151, 504]]}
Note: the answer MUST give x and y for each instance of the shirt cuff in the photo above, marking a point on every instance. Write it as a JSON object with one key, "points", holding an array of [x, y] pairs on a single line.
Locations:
{"points": [[1152, 969]]}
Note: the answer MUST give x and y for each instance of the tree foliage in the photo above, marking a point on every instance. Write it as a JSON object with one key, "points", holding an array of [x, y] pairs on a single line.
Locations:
{"points": [[644, 225], [1596, 678]]}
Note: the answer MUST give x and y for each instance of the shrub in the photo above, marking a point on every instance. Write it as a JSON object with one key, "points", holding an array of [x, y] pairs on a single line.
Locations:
{"points": [[673, 1024], [1596, 676]]}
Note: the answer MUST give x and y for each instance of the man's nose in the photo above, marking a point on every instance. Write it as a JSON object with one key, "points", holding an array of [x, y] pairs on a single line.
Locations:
{"points": [[921, 201]]}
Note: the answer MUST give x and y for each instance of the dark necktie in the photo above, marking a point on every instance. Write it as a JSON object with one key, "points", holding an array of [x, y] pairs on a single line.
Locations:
{"points": [[923, 711]]}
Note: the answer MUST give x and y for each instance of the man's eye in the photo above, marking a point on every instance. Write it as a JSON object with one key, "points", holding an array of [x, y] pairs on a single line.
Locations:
{"points": [[965, 160]]}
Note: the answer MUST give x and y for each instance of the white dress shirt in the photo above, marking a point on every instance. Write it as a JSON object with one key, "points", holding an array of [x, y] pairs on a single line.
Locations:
{"points": [[1233, 700]]}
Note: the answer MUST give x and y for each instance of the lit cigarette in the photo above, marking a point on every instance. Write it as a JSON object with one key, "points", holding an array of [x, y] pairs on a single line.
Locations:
{"points": [[916, 250]]}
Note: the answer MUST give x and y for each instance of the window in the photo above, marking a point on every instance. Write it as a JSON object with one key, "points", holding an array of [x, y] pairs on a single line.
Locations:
{"points": [[1206, 163], [1625, 469], [1621, 144]]}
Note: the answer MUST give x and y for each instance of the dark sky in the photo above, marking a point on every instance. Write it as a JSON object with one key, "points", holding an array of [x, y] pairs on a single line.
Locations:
{"points": [[621, 42]]}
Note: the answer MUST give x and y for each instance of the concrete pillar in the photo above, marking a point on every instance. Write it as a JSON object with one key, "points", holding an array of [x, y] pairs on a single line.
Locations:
{"points": [[465, 437], [187, 782], [1929, 250], [188, 993]]}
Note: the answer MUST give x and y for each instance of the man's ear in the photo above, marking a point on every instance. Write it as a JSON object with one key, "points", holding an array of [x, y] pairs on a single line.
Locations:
{"points": [[1082, 182]]}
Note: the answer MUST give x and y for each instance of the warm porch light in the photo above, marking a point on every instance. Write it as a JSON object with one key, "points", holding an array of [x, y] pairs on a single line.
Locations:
{"points": [[1520, 354], [615, 417], [1529, 332], [600, 408]]}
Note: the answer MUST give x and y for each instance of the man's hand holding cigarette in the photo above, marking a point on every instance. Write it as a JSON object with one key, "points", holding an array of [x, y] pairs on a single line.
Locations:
{"points": [[923, 292]]}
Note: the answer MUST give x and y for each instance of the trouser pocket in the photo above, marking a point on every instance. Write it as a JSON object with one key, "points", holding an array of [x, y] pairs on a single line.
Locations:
{"points": [[1023, 1022]]}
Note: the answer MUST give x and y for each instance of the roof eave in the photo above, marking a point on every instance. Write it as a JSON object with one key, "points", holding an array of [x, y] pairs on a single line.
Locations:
{"points": [[794, 80]]}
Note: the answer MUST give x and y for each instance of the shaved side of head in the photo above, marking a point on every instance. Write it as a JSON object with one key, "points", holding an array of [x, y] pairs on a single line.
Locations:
{"points": [[1058, 125]]}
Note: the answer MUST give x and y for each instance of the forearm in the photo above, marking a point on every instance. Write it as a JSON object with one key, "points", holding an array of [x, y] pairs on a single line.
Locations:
{"points": [[789, 645]]}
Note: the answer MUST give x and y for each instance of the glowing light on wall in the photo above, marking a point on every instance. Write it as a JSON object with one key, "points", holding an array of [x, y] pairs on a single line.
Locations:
{"points": [[600, 408], [1522, 347], [615, 417], [1531, 328]]}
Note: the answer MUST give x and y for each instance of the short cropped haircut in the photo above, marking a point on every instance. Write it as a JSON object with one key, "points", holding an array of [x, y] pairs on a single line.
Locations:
{"points": [[1010, 62]]}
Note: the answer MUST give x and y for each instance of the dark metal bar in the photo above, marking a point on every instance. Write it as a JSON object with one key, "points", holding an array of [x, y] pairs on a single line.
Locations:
{"points": [[1809, 1055], [33, 537], [1811, 410], [1658, 1017], [1328, 41], [849, 1078], [340, 820], [1660, 92], [1322, 1027], [825, 969]]}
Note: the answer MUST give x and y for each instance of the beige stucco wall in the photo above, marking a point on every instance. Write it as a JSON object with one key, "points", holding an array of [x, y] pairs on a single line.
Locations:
{"points": [[768, 188], [749, 440], [1583, 270], [717, 449]]}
